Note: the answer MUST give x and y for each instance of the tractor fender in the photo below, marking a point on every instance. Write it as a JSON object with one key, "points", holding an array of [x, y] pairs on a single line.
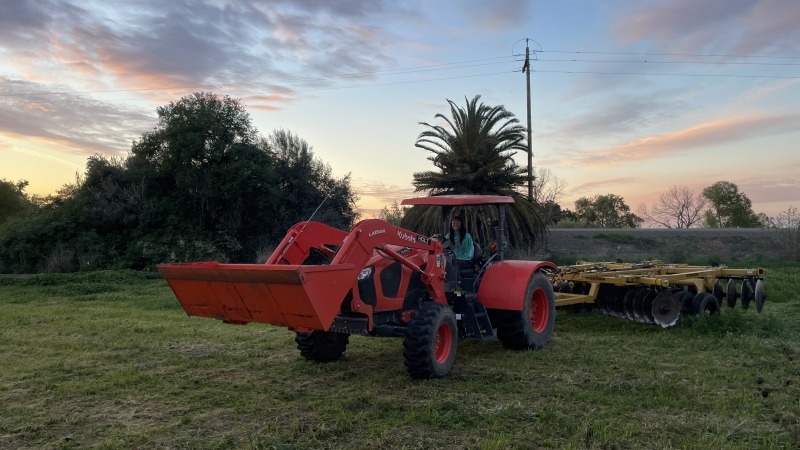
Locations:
{"points": [[504, 283]]}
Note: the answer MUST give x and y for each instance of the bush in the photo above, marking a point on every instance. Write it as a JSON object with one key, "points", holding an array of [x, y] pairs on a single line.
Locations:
{"points": [[61, 260], [787, 228]]}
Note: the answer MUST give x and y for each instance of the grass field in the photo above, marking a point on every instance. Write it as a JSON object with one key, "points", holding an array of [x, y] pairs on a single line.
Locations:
{"points": [[109, 360]]}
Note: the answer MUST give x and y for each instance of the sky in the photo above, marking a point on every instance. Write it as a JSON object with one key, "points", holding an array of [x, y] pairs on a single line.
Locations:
{"points": [[627, 97]]}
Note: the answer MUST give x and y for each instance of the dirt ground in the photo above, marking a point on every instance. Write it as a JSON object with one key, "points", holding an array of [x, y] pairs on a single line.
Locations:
{"points": [[694, 245]]}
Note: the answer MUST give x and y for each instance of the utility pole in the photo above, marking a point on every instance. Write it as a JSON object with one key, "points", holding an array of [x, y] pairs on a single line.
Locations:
{"points": [[527, 69]]}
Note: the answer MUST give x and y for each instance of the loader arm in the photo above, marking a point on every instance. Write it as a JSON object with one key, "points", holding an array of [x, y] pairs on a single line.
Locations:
{"points": [[371, 234], [302, 238]]}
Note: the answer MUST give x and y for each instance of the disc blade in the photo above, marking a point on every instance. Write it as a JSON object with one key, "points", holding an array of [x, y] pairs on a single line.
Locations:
{"points": [[747, 293], [665, 309], [627, 304], [760, 295], [636, 306], [717, 291], [647, 306], [731, 294]]}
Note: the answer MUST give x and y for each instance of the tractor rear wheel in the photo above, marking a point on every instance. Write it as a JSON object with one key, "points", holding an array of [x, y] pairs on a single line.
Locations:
{"points": [[431, 341], [322, 346], [532, 327]]}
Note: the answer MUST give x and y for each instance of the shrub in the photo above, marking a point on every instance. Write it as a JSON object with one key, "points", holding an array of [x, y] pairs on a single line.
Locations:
{"points": [[61, 260], [787, 228]]}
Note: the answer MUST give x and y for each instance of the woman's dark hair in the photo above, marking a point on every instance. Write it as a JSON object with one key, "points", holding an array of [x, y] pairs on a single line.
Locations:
{"points": [[462, 232]]}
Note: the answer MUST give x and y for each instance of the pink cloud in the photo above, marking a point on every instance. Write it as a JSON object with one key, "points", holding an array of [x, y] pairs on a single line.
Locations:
{"points": [[381, 193], [668, 144]]}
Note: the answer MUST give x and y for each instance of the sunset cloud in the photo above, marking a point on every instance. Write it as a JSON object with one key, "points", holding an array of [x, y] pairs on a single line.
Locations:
{"points": [[704, 134], [82, 76], [76, 123], [689, 26]]}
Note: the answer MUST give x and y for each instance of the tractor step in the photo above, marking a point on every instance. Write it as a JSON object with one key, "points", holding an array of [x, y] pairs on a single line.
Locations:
{"points": [[350, 324], [474, 318]]}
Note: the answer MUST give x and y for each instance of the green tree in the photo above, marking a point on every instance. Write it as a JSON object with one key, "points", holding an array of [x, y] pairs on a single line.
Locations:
{"points": [[13, 200], [728, 208], [606, 211], [308, 186], [207, 187], [87, 225], [567, 219], [202, 185], [393, 213], [553, 213], [473, 154]]}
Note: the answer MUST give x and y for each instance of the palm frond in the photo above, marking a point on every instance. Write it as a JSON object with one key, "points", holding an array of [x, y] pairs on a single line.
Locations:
{"points": [[473, 152]]}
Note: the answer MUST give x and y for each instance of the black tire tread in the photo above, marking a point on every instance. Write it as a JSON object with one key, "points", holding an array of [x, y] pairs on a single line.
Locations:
{"points": [[322, 346], [514, 329], [705, 301], [418, 345]]}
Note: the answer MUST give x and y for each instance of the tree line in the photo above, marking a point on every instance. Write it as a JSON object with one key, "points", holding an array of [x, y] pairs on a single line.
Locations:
{"points": [[202, 185], [720, 205]]}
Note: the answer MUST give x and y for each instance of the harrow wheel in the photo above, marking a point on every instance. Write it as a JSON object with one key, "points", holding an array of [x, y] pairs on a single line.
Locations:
{"points": [[705, 303], [685, 301], [532, 327], [431, 341], [718, 292], [322, 346], [565, 287], [747, 293], [731, 295], [760, 295]]}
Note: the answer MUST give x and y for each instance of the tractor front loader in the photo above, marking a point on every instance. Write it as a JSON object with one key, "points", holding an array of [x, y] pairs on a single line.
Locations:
{"points": [[326, 284]]}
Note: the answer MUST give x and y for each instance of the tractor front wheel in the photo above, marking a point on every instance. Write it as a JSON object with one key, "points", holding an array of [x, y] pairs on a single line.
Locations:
{"points": [[322, 346], [431, 341], [532, 327]]}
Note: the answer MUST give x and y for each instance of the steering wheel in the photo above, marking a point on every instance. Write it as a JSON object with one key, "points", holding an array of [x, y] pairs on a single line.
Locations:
{"points": [[447, 247]]}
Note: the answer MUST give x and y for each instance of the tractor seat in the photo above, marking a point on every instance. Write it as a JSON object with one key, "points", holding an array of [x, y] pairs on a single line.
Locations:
{"points": [[467, 268]]}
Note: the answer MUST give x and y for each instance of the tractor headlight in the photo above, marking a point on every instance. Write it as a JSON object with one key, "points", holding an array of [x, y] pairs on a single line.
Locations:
{"points": [[365, 273]]}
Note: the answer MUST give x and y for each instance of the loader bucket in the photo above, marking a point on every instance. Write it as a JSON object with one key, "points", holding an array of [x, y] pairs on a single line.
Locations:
{"points": [[295, 296]]}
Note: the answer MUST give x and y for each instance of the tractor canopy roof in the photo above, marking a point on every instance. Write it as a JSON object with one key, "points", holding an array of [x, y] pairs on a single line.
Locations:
{"points": [[458, 200]]}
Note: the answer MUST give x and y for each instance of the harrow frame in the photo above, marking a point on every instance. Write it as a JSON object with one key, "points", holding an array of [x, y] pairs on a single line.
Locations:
{"points": [[582, 283]]}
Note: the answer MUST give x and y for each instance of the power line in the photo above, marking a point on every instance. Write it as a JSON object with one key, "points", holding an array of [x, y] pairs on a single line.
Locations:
{"points": [[670, 62], [699, 55], [666, 74], [466, 64], [406, 82]]}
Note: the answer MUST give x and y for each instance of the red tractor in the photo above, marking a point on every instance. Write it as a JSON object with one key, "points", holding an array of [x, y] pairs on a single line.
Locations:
{"points": [[380, 280]]}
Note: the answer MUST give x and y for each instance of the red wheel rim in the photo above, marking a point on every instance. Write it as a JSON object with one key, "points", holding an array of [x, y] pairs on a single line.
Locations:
{"points": [[444, 343], [539, 311]]}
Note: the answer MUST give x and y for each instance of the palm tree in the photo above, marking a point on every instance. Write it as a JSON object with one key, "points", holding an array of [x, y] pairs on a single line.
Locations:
{"points": [[473, 153]]}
